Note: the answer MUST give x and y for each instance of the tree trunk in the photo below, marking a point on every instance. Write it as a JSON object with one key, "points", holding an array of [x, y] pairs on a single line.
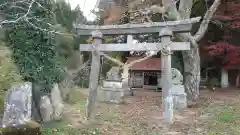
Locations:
{"points": [[36, 96], [191, 61]]}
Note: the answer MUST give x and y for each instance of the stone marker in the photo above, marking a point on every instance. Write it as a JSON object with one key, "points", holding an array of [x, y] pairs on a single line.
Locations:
{"points": [[178, 90], [46, 109], [57, 102], [17, 105]]}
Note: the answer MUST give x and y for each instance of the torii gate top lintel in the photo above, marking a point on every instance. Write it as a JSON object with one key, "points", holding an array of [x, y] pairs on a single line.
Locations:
{"points": [[125, 29]]}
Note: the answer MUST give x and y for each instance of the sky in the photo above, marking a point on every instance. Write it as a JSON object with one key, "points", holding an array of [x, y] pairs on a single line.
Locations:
{"points": [[86, 6]]}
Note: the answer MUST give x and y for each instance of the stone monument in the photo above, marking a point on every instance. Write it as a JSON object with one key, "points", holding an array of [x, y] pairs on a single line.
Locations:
{"points": [[112, 90], [178, 90], [17, 105]]}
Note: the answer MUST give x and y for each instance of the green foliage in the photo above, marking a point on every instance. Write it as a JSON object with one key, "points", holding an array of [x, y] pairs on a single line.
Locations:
{"points": [[34, 49], [8, 70], [199, 8], [225, 117], [65, 16], [9, 73]]}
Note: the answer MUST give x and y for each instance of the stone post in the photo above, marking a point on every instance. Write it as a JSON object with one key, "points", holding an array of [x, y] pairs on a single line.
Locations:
{"points": [[224, 78], [125, 81], [94, 74], [166, 35]]}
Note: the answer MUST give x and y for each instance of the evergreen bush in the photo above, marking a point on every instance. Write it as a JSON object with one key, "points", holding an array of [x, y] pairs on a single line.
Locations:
{"points": [[9, 73], [34, 50]]}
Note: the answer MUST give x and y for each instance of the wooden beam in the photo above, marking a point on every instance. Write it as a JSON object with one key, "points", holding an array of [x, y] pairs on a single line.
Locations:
{"points": [[154, 27], [175, 46]]}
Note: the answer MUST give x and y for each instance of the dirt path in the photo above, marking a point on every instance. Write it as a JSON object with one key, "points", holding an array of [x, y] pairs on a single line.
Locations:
{"points": [[142, 114]]}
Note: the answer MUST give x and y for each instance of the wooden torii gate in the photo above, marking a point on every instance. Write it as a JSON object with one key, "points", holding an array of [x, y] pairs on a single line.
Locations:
{"points": [[165, 30]]}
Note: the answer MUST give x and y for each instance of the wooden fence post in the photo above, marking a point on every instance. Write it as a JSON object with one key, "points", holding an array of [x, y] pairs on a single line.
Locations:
{"points": [[94, 74], [166, 35]]}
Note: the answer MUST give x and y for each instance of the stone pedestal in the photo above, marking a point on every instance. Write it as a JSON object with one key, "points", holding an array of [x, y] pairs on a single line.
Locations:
{"points": [[112, 92], [178, 90], [179, 97]]}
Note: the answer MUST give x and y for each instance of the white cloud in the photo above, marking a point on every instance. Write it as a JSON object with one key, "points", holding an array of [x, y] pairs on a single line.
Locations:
{"points": [[86, 6]]}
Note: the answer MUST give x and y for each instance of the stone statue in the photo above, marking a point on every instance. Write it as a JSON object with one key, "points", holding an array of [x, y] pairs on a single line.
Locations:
{"points": [[114, 74], [177, 77]]}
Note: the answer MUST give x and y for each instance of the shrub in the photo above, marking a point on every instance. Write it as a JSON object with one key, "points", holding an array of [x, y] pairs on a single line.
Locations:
{"points": [[9, 73]]}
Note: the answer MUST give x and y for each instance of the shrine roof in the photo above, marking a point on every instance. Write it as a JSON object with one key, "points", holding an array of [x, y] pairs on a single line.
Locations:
{"points": [[152, 64]]}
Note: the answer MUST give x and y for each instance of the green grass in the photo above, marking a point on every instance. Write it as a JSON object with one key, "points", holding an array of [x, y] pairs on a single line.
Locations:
{"points": [[222, 119], [80, 105], [63, 128]]}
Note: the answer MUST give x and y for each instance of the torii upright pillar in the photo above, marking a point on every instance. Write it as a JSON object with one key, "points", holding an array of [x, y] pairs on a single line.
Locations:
{"points": [[166, 35]]}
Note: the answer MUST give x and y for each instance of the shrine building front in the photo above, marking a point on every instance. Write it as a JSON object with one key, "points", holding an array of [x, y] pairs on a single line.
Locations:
{"points": [[145, 74]]}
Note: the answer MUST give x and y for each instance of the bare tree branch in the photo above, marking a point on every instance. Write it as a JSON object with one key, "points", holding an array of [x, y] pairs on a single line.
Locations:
{"points": [[25, 17], [170, 6], [20, 18], [207, 18], [186, 5], [47, 30]]}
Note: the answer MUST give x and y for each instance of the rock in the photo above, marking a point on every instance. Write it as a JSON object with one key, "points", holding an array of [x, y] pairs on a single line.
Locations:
{"points": [[46, 109], [57, 102], [30, 128], [17, 105]]}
